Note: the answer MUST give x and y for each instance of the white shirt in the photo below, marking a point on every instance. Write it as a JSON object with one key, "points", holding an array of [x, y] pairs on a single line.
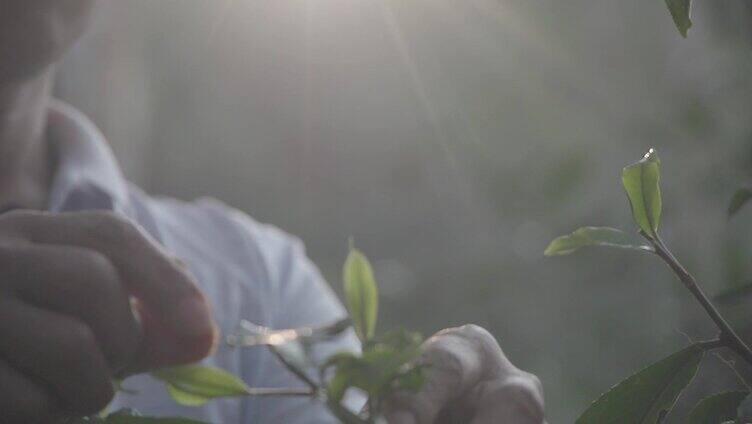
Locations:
{"points": [[247, 270]]}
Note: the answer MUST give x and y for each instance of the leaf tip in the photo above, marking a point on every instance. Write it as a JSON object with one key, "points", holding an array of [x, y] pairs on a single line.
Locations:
{"points": [[681, 11], [651, 155], [554, 248]]}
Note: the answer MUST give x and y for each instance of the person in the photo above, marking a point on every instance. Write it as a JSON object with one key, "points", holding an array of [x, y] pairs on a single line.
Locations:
{"points": [[102, 281]]}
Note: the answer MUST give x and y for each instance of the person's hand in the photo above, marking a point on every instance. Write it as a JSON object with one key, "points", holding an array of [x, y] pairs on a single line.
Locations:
{"points": [[86, 297], [469, 380]]}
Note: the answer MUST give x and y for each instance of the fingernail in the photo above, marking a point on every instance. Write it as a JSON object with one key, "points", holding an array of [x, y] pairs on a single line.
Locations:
{"points": [[193, 318]]}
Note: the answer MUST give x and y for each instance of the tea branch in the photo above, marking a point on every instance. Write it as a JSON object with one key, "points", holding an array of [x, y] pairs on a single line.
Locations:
{"points": [[280, 391], [728, 336]]}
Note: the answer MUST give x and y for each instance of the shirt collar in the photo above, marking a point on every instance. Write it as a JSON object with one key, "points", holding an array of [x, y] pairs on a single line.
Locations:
{"points": [[87, 175]]}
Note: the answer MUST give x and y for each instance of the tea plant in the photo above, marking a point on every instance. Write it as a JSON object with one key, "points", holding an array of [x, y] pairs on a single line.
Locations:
{"points": [[650, 394], [385, 364]]}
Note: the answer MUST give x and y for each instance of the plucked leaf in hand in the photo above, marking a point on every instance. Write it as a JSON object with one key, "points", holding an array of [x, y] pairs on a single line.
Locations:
{"points": [[644, 396], [194, 385]]}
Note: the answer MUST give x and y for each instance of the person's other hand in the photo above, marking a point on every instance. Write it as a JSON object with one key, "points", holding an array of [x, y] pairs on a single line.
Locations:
{"points": [[84, 298], [469, 380]]}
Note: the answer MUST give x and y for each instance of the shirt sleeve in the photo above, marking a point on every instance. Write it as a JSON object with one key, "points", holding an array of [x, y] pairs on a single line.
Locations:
{"points": [[299, 297]]}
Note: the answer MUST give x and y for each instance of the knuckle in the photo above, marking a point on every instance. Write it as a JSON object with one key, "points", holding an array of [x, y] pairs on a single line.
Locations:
{"points": [[477, 333], [469, 341], [444, 361], [78, 347], [521, 393], [492, 357], [102, 279], [472, 332], [112, 228], [472, 329], [535, 382], [12, 223], [18, 214]]}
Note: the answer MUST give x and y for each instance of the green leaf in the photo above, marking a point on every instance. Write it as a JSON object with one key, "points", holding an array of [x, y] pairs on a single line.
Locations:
{"points": [[194, 385], [717, 408], [641, 181], [592, 236], [361, 294], [680, 11], [387, 364], [185, 398], [338, 385], [641, 398], [738, 200], [411, 380]]}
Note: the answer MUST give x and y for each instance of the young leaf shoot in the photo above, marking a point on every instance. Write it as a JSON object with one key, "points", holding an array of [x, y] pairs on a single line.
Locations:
{"points": [[361, 294], [641, 182]]}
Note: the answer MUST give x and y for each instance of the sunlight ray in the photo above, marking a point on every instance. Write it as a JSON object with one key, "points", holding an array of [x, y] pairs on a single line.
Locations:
{"points": [[418, 86], [547, 46]]}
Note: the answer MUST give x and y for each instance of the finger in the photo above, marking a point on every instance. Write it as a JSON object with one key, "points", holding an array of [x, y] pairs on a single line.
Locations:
{"points": [[77, 282], [161, 282], [516, 400], [155, 351], [59, 351], [23, 400], [457, 360]]}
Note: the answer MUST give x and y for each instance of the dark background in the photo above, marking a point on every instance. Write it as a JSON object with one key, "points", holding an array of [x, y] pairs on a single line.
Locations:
{"points": [[453, 139]]}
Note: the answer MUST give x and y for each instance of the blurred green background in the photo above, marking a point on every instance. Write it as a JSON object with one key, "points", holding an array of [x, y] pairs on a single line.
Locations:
{"points": [[453, 139]]}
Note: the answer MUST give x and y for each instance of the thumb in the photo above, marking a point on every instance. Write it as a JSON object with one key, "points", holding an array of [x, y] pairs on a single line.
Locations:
{"points": [[456, 360], [162, 345]]}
